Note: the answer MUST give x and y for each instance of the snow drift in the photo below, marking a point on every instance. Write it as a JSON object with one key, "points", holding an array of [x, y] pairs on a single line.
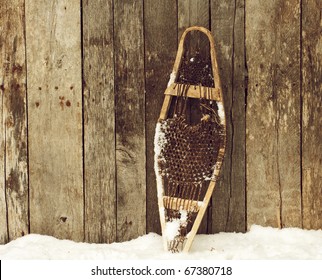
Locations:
{"points": [[258, 243]]}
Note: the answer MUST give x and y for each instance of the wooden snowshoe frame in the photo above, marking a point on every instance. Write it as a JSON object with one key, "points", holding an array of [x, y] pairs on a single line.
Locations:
{"points": [[214, 93]]}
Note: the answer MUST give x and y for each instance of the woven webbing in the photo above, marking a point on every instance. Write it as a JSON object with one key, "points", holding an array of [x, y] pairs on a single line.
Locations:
{"points": [[187, 159]]}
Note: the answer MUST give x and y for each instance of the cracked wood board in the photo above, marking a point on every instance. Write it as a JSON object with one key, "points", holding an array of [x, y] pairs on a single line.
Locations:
{"points": [[55, 118], [13, 155], [160, 31], [312, 118], [130, 118], [229, 199], [273, 114], [99, 122]]}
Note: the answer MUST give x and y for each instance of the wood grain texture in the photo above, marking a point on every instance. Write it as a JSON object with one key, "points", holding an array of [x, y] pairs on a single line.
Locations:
{"points": [[191, 13], [55, 118], [128, 53], [160, 37], [195, 13], [4, 238], [13, 87], [287, 78], [3, 204], [99, 122], [130, 116], [312, 113], [227, 25], [273, 113]]}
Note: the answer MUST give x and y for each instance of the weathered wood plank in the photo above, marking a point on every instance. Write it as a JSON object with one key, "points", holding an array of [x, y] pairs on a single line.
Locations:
{"points": [[3, 204], [273, 113], [227, 25], [55, 118], [222, 23], [287, 78], [237, 207], [312, 114], [192, 12], [13, 87], [160, 36], [99, 119], [195, 13], [130, 116], [263, 192]]}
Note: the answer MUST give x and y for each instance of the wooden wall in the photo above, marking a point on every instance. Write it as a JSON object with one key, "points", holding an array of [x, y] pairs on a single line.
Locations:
{"points": [[82, 85]]}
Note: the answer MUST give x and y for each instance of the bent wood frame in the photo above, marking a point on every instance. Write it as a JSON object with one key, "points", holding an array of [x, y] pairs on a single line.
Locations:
{"points": [[193, 92]]}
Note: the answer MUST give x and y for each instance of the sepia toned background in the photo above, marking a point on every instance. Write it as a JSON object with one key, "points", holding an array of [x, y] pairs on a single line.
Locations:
{"points": [[82, 85]]}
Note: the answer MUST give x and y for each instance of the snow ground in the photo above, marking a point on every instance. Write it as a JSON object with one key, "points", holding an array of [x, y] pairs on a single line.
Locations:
{"points": [[259, 243]]}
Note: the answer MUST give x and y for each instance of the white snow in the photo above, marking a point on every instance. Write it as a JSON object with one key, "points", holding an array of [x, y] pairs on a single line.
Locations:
{"points": [[172, 229], [172, 78], [206, 178], [221, 112], [159, 138], [159, 142], [259, 243], [200, 203], [183, 216]]}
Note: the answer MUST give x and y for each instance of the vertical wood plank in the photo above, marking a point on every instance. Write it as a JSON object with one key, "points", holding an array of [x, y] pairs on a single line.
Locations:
{"points": [[99, 132], [288, 106], [130, 116], [13, 87], [222, 23], [191, 13], [273, 113], [229, 198], [3, 204], [160, 33], [194, 13], [312, 114], [237, 208], [55, 118], [263, 193]]}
